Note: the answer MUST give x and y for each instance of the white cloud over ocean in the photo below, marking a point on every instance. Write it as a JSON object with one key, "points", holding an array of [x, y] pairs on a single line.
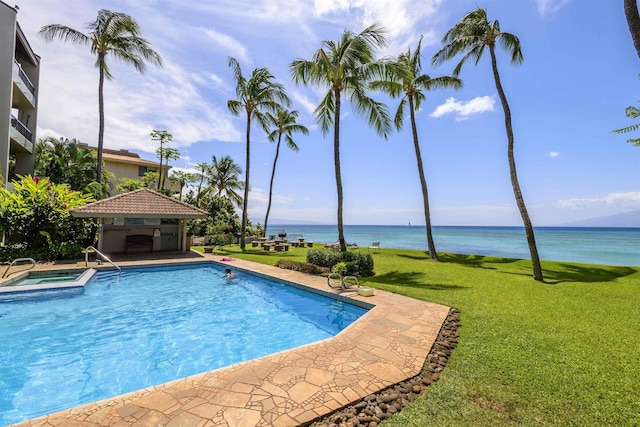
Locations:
{"points": [[623, 201]]}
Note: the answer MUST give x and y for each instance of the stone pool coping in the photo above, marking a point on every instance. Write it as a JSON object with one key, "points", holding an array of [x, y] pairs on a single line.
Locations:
{"points": [[385, 346]]}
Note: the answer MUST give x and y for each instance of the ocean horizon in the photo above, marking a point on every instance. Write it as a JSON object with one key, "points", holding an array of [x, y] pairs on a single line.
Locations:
{"points": [[617, 246]]}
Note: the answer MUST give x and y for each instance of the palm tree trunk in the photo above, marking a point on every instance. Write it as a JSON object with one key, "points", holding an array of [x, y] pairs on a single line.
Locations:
{"points": [[531, 240], [336, 161], [273, 174], [243, 228], [160, 170], [101, 119], [423, 183], [633, 20]]}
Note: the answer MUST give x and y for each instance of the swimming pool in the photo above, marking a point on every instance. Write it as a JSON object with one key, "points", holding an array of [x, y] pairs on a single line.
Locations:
{"points": [[146, 327]]}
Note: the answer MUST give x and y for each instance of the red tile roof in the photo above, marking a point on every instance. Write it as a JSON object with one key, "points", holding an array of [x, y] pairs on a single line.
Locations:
{"points": [[142, 203]]}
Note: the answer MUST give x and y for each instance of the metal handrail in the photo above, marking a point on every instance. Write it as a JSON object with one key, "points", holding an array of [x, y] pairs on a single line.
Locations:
{"points": [[33, 265], [25, 79], [21, 128], [86, 257]]}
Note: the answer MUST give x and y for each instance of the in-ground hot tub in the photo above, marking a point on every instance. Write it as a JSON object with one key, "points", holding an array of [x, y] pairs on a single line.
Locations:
{"points": [[43, 280]]}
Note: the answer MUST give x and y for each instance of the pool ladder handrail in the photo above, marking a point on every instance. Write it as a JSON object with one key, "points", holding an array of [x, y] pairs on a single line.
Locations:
{"points": [[33, 265], [106, 258]]}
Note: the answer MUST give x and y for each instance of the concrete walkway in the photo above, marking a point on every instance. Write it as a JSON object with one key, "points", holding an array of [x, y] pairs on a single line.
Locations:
{"points": [[387, 345]]}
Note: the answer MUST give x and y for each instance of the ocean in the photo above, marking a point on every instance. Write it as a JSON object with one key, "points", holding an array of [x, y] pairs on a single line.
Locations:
{"points": [[608, 246]]}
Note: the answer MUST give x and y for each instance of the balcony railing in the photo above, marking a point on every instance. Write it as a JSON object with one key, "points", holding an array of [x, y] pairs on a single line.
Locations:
{"points": [[21, 128], [25, 78]]}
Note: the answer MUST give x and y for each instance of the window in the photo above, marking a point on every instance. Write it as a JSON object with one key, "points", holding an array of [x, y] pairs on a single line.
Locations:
{"points": [[143, 169]]}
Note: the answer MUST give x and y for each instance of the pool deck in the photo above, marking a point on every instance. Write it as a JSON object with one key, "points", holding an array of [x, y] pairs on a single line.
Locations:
{"points": [[385, 346]]}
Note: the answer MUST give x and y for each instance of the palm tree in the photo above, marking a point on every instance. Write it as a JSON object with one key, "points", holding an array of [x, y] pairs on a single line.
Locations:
{"points": [[203, 169], [633, 21], [163, 137], [404, 79], [64, 161], [256, 96], [169, 154], [223, 178], [112, 32], [182, 178], [285, 124], [470, 37], [345, 66]]}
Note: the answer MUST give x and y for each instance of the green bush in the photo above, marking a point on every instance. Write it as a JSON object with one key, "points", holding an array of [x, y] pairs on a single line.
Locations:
{"points": [[51, 252], [37, 214], [340, 268], [356, 263], [303, 267]]}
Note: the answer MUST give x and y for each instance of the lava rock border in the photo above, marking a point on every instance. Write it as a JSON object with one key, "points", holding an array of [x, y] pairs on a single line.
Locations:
{"points": [[377, 407]]}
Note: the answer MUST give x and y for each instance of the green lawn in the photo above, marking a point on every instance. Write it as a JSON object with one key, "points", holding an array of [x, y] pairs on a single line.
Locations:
{"points": [[564, 352]]}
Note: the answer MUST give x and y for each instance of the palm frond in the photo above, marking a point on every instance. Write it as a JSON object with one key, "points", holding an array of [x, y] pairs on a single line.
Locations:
{"points": [[325, 112], [235, 107], [377, 113], [398, 120], [511, 44], [65, 34]]}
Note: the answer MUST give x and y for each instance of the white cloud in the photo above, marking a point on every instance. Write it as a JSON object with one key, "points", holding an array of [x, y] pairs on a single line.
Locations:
{"points": [[464, 109], [553, 154], [305, 102], [619, 201], [548, 7], [229, 45], [399, 17]]}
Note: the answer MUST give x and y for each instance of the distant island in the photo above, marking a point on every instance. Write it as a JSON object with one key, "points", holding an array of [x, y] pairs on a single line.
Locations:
{"points": [[627, 219]]}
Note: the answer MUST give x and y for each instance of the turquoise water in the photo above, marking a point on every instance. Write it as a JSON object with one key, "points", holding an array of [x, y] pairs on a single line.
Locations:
{"points": [[149, 326], [609, 246]]}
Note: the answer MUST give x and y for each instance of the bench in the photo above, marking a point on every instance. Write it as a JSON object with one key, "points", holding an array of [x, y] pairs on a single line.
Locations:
{"points": [[138, 240], [279, 247]]}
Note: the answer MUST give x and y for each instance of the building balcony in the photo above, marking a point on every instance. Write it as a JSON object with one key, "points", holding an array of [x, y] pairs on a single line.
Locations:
{"points": [[24, 92], [21, 135]]}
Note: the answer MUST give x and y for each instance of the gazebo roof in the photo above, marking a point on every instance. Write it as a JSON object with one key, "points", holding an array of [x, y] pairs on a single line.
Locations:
{"points": [[142, 203]]}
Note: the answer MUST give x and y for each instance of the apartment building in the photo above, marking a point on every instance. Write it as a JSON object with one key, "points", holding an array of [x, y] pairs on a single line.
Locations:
{"points": [[125, 164], [19, 77]]}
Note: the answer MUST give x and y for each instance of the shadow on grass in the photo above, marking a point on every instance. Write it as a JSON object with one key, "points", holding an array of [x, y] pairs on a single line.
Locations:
{"points": [[566, 272], [409, 279], [478, 261]]}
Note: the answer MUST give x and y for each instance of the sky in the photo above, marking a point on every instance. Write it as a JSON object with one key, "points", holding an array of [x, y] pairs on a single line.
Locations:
{"points": [[580, 72]]}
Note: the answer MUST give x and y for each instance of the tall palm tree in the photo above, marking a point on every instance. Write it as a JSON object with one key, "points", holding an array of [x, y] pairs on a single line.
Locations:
{"points": [[112, 32], [633, 21], [163, 137], [223, 178], [404, 79], [285, 124], [256, 96], [345, 66], [203, 170], [470, 37], [169, 154]]}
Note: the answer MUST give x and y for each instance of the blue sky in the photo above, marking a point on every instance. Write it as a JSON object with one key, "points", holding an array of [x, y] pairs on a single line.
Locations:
{"points": [[580, 72]]}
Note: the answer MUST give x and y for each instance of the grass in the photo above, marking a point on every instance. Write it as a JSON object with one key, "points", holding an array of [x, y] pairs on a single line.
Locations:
{"points": [[564, 352]]}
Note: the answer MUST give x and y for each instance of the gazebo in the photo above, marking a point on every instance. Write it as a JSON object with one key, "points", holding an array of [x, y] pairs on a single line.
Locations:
{"points": [[140, 220]]}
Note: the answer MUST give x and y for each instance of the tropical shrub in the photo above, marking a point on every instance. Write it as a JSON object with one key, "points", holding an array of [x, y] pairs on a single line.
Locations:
{"points": [[221, 235], [36, 217], [357, 263], [340, 268], [303, 267]]}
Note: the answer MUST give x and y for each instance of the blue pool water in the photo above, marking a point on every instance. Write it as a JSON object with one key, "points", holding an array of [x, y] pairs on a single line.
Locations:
{"points": [[145, 327]]}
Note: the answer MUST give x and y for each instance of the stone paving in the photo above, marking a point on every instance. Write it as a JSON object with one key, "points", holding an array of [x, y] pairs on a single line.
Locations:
{"points": [[385, 346]]}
